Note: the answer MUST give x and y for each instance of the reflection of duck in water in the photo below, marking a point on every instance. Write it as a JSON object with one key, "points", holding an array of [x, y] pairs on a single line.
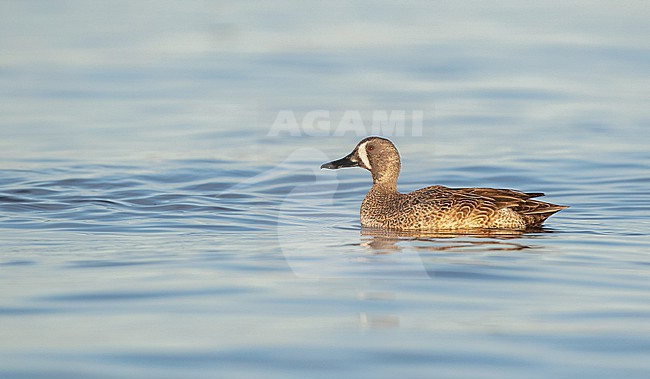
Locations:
{"points": [[437, 207], [383, 241]]}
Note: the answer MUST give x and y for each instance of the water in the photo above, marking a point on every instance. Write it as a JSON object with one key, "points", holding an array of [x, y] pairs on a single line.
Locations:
{"points": [[153, 226]]}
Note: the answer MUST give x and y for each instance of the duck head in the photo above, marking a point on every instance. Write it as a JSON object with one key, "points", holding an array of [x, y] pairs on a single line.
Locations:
{"points": [[376, 154]]}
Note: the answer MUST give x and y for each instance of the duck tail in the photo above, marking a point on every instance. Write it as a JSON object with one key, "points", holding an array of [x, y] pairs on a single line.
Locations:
{"points": [[535, 212]]}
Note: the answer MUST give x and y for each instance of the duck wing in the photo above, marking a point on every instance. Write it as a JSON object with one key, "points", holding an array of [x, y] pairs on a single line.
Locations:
{"points": [[534, 212], [501, 196], [473, 197], [450, 208], [477, 206]]}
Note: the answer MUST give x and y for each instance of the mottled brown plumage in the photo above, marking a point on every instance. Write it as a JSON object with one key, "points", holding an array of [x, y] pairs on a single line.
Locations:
{"points": [[437, 207]]}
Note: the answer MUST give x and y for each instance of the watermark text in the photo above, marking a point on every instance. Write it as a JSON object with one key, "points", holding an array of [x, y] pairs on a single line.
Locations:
{"points": [[317, 123]]}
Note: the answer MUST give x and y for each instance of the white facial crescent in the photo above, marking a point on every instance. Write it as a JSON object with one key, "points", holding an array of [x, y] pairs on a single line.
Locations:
{"points": [[363, 154]]}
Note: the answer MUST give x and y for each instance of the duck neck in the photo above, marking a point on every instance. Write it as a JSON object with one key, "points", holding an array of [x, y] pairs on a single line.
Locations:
{"points": [[385, 182]]}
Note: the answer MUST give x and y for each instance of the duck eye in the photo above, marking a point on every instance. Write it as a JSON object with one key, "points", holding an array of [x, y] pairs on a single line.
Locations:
{"points": [[371, 148]]}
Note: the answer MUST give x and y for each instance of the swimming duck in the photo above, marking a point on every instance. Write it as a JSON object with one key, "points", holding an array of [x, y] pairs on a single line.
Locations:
{"points": [[436, 207]]}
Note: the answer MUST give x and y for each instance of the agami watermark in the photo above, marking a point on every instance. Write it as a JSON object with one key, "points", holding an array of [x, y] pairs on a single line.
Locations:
{"points": [[319, 123]]}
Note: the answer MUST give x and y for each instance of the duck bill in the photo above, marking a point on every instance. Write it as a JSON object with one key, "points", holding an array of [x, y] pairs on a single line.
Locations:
{"points": [[340, 163]]}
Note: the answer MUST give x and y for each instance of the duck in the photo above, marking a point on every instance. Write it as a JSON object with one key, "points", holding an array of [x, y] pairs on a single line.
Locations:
{"points": [[437, 207]]}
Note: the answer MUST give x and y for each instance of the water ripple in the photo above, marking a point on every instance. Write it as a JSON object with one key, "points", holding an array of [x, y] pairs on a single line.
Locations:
{"points": [[182, 196]]}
